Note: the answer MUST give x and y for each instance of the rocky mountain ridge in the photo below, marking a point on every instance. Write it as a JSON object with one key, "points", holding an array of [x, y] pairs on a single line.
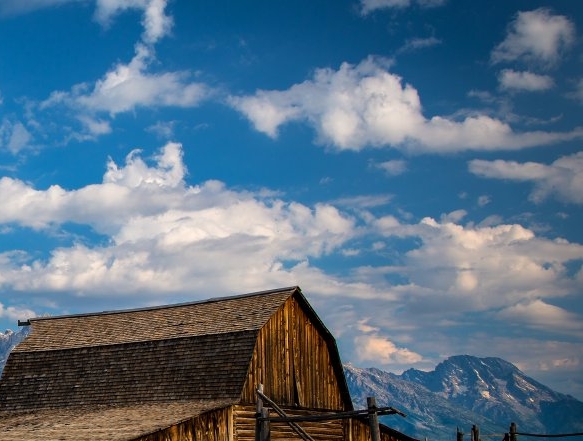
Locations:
{"points": [[8, 340], [463, 391]]}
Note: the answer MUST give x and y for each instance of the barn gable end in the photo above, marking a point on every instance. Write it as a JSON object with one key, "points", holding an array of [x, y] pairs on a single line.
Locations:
{"points": [[296, 361]]}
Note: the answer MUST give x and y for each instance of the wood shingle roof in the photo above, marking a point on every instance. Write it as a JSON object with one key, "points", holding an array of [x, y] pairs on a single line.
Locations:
{"points": [[214, 316], [107, 375], [100, 423]]}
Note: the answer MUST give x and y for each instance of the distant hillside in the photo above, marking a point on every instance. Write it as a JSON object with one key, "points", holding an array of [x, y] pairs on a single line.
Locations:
{"points": [[463, 391]]}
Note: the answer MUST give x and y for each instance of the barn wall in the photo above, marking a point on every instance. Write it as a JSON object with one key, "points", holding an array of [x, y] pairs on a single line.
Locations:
{"points": [[211, 426], [359, 430], [244, 426], [292, 361]]}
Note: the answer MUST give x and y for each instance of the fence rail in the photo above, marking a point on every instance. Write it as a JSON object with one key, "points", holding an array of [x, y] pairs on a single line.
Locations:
{"points": [[512, 434]]}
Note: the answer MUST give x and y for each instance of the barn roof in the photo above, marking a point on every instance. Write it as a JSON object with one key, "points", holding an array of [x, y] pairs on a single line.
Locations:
{"points": [[137, 370], [99, 423]]}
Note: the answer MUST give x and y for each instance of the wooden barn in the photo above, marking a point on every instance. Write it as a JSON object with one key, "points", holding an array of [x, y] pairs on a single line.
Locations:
{"points": [[178, 373]]}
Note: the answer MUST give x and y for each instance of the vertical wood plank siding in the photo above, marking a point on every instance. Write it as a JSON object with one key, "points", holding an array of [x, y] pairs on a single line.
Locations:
{"points": [[292, 361], [211, 426]]}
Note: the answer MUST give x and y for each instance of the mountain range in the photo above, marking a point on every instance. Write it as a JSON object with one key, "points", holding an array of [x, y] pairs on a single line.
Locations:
{"points": [[460, 392], [8, 340], [464, 391]]}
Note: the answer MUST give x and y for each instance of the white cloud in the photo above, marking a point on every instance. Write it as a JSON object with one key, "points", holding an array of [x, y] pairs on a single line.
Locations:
{"points": [[484, 200], [419, 43], [129, 86], [368, 6], [394, 167], [169, 237], [382, 351], [167, 241], [156, 23], [541, 315], [14, 136], [524, 81], [364, 105], [562, 179], [95, 126], [14, 312], [537, 36], [163, 129], [372, 346], [454, 216], [578, 92], [457, 268], [17, 7]]}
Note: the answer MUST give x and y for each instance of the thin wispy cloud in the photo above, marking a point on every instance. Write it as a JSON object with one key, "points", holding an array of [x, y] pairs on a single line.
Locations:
{"points": [[368, 6], [524, 81], [562, 179]]}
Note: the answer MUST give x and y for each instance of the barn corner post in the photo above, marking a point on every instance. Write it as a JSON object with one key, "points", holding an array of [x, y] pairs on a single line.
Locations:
{"points": [[373, 419]]}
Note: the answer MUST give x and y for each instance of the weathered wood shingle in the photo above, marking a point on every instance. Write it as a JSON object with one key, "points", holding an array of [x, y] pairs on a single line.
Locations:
{"points": [[215, 316], [179, 369], [119, 375], [99, 423], [191, 351]]}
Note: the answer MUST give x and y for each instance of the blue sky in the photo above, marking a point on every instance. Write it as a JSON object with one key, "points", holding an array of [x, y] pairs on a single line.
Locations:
{"points": [[415, 166]]}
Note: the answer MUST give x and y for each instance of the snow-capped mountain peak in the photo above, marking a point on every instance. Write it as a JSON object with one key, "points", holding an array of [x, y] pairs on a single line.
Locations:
{"points": [[464, 390]]}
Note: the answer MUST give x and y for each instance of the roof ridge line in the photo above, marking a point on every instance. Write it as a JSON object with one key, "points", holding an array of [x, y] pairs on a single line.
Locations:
{"points": [[168, 306]]}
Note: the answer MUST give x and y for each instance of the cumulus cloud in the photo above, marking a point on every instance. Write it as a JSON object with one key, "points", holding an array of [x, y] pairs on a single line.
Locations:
{"points": [[562, 179], [524, 81], [167, 236], [364, 105], [164, 239], [541, 315], [536, 36], [381, 350], [469, 268]]}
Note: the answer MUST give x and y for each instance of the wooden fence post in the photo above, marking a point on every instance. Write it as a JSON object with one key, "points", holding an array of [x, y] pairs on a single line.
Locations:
{"points": [[512, 431], [459, 436], [373, 419], [475, 433]]}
